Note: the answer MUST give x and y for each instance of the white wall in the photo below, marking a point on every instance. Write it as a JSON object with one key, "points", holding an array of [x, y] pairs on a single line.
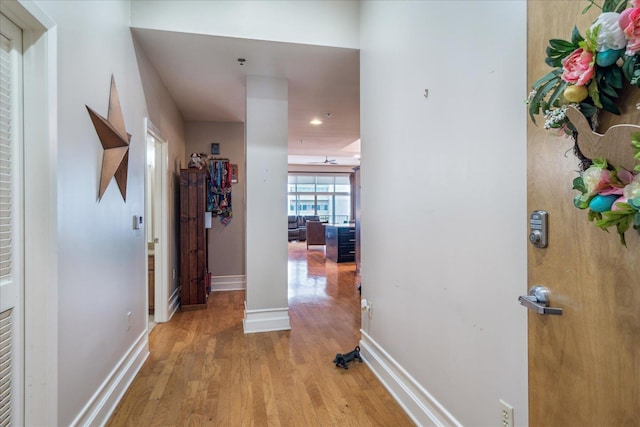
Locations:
{"points": [[101, 264], [165, 116], [226, 243], [330, 23], [451, 290], [443, 198]]}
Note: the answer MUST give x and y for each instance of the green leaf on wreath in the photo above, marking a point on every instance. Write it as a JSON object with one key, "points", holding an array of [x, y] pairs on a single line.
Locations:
{"points": [[635, 142], [594, 216], [578, 184], [559, 49], [623, 241], [613, 77], [587, 109], [609, 105], [628, 66], [600, 163], [608, 91], [590, 42], [614, 6], [594, 94], [581, 201], [621, 219], [534, 103], [576, 38], [635, 80], [559, 90], [551, 74], [562, 45], [603, 88]]}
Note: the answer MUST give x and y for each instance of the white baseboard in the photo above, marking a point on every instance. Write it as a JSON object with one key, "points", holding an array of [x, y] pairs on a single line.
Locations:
{"points": [[228, 283], [266, 320], [417, 402], [174, 303], [104, 401]]}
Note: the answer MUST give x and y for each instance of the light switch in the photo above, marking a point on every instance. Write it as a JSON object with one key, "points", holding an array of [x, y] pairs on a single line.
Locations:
{"points": [[137, 222]]}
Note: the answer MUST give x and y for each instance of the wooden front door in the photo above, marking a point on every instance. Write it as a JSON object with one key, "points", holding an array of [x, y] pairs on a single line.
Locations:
{"points": [[584, 366]]}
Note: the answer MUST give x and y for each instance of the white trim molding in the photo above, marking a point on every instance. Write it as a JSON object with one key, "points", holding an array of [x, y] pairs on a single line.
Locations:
{"points": [[228, 283], [417, 402], [104, 401], [266, 320]]}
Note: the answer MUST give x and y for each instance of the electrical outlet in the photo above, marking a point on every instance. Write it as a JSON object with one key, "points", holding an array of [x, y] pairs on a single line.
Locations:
{"points": [[366, 306], [506, 414], [128, 321]]}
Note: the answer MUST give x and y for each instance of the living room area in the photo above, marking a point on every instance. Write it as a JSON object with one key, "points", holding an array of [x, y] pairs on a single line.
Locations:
{"points": [[323, 212]]}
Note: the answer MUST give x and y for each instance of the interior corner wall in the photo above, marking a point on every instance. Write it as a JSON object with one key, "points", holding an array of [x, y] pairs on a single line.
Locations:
{"points": [[313, 22], [102, 311], [166, 117], [445, 297], [226, 242]]}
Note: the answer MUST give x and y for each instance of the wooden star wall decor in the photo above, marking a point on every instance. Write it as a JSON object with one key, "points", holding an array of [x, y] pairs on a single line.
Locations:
{"points": [[115, 142]]}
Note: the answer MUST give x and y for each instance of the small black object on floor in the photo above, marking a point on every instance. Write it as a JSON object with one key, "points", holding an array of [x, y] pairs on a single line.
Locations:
{"points": [[343, 359]]}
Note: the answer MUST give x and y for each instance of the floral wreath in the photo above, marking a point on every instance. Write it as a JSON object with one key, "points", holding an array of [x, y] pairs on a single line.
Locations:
{"points": [[589, 73]]}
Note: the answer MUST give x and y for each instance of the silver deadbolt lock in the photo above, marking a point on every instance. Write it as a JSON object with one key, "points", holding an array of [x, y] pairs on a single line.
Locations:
{"points": [[538, 229]]}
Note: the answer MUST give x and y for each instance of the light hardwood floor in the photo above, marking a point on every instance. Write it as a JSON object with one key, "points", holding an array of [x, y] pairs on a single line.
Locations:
{"points": [[203, 370]]}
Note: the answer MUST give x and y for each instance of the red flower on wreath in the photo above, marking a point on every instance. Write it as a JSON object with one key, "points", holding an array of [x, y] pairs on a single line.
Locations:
{"points": [[578, 68]]}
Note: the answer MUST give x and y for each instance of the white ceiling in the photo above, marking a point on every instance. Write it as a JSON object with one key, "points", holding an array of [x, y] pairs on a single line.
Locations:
{"points": [[204, 77]]}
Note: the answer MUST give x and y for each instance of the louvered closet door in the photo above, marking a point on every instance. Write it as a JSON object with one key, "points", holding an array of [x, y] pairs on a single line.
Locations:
{"points": [[11, 264]]}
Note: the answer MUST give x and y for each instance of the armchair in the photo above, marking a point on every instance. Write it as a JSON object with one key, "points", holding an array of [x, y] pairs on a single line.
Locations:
{"points": [[315, 233]]}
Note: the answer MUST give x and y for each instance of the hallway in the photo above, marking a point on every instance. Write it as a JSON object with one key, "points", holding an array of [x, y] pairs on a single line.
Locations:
{"points": [[203, 370]]}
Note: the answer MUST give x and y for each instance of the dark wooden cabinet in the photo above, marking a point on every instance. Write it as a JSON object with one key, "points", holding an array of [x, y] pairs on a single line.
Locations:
{"points": [[194, 272], [341, 242]]}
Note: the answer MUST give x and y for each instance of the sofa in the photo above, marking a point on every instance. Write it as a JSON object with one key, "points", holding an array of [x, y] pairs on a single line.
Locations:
{"points": [[294, 231], [298, 226]]}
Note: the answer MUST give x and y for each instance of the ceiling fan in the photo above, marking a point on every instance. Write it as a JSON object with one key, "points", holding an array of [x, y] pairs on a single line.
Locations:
{"points": [[326, 161]]}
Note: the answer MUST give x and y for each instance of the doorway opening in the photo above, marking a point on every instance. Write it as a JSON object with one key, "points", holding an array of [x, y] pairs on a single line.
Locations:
{"points": [[157, 225]]}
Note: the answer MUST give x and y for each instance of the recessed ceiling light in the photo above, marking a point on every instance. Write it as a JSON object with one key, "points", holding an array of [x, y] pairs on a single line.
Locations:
{"points": [[316, 122], [357, 156]]}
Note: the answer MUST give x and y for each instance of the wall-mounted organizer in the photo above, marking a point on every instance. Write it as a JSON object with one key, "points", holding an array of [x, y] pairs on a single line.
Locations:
{"points": [[219, 198]]}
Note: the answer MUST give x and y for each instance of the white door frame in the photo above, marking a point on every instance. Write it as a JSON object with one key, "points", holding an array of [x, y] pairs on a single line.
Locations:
{"points": [[161, 222], [11, 284], [40, 211]]}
